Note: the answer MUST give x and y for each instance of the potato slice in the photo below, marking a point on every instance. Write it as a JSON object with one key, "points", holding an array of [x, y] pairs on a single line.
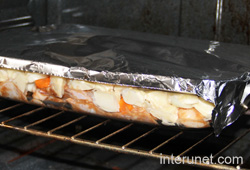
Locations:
{"points": [[104, 87], [134, 96], [12, 74], [205, 108], [3, 75], [57, 85], [31, 87], [80, 85], [20, 80], [157, 98], [183, 100], [32, 77], [167, 113], [106, 101]]}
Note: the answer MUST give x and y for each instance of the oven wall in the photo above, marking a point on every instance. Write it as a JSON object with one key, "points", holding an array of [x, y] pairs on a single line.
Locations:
{"points": [[13, 9], [193, 19], [186, 18]]}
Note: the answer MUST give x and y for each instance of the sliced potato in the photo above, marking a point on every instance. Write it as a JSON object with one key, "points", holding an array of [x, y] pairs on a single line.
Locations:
{"points": [[57, 85], [205, 108], [12, 74], [104, 87], [106, 101], [157, 98], [20, 80], [32, 77], [3, 75], [80, 85], [167, 114], [134, 96], [183, 100], [31, 87]]}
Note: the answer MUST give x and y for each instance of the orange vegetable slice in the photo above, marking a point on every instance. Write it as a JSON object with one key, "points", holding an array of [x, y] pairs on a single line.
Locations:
{"points": [[42, 83], [125, 106]]}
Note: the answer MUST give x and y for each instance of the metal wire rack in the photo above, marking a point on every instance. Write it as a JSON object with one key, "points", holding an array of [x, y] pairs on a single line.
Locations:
{"points": [[124, 137], [16, 22]]}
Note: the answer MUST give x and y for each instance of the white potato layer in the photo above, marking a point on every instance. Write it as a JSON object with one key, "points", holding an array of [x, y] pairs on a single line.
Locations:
{"points": [[159, 106], [31, 87], [3, 75], [106, 101], [183, 100], [104, 87], [80, 85], [205, 108], [157, 98], [57, 84], [134, 96], [118, 91], [32, 77], [167, 114], [12, 74], [20, 80]]}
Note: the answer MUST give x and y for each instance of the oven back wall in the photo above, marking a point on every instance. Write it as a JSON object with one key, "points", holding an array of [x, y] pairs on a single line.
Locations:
{"points": [[186, 18]]}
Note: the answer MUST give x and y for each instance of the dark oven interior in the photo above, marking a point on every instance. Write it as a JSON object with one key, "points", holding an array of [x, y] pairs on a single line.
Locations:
{"points": [[54, 139]]}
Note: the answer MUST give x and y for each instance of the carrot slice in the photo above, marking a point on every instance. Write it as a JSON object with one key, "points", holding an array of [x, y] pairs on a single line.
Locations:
{"points": [[125, 106], [42, 83]]}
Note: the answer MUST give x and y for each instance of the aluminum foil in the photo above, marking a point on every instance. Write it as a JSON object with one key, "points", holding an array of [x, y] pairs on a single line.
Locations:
{"points": [[214, 71]]}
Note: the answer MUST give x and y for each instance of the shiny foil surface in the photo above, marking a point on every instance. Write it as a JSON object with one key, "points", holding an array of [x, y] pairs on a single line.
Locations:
{"points": [[217, 72]]}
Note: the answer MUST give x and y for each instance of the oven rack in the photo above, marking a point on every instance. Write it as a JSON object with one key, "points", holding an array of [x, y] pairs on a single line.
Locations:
{"points": [[17, 22], [15, 120]]}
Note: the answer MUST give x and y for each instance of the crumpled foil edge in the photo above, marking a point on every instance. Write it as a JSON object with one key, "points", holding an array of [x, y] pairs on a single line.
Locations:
{"points": [[202, 88]]}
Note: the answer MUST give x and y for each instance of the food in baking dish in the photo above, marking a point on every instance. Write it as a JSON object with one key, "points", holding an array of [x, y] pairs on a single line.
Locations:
{"points": [[122, 102]]}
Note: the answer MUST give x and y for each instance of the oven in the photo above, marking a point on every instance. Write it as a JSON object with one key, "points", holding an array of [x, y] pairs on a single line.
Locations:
{"points": [[34, 137]]}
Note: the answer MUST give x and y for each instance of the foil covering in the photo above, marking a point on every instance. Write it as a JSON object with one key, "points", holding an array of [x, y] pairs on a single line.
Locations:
{"points": [[215, 71]]}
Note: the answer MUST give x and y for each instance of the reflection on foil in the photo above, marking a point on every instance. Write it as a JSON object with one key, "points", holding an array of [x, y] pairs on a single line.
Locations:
{"points": [[212, 47], [69, 10]]}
